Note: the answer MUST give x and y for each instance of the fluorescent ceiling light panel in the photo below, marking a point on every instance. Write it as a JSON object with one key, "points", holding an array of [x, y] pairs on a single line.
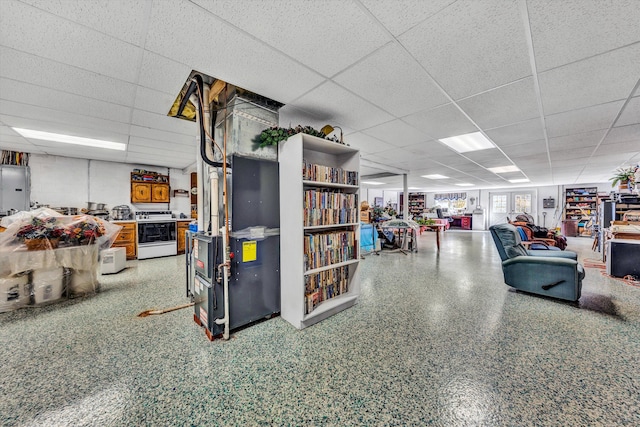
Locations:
{"points": [[373, 182], [515, 181], [435, 176], [469, 142], [68, 139], [504, 169], [466, 184]]}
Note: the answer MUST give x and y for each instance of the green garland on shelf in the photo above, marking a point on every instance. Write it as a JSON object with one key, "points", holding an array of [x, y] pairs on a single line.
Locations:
{"points": [[273, 135]]}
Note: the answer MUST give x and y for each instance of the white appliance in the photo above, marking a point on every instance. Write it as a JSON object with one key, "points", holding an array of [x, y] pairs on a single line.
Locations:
{"points": [[156, 234], [114, 260], [478, 219]]}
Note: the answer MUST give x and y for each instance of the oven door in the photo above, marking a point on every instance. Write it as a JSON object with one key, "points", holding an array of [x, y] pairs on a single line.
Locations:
{"points": [[153, 233]]}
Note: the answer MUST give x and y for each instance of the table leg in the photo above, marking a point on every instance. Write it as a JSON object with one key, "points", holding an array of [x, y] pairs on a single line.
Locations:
{"points": [[438, 237]]}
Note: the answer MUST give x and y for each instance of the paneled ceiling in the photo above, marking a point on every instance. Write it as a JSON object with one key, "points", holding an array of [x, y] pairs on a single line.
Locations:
{"points": [[554, 84]]}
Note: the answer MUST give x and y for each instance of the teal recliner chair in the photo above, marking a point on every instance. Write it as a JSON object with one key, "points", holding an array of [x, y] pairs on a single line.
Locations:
{"points": [[552, 273]]}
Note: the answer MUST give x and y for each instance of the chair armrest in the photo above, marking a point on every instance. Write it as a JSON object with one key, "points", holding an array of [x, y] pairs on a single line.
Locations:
{"points": [[553, 254], [541, 261]]}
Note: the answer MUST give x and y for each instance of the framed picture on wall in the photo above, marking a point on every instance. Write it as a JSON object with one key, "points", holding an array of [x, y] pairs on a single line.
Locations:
{"points": [[377, 201]]}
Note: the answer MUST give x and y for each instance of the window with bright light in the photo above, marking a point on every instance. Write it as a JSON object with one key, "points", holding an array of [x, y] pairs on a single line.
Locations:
{"points": [[523, 202], [499, 204]]}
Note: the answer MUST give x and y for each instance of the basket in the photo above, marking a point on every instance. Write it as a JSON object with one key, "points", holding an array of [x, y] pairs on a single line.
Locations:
{"points": [[41, 244]]}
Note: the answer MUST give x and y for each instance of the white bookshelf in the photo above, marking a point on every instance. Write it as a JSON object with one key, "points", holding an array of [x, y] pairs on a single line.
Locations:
{"points": [[291, 154]]}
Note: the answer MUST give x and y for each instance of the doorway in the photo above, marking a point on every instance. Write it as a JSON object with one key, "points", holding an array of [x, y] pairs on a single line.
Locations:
{"points": [[510, 204]]}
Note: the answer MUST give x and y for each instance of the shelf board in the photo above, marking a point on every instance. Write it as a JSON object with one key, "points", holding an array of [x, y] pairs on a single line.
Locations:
{"points": [[330, 304], [322, 227], [329, 184], [330, 266]]}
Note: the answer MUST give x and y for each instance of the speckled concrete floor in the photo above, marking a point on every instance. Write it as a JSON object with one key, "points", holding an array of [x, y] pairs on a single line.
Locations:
{"points": [[436, 339]]}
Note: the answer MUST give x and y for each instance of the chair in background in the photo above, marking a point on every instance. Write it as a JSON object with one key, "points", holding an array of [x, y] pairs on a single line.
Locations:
{"points": [[533, 243], [551, 273]]}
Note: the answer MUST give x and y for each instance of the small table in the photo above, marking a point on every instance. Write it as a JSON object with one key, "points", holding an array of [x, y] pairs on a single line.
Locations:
{"points": [[435, 227]]}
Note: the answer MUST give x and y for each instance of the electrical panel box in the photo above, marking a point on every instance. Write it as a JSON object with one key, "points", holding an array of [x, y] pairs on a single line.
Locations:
{"points": [[15, 188], [549, 203]]}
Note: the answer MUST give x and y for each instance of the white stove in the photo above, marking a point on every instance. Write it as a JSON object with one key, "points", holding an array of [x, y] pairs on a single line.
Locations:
{"points": [[154, 216], [156, 234]]}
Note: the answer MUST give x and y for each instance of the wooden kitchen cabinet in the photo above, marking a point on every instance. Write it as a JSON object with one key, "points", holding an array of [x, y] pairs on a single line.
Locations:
{"points": [[181, 228], [159, 193], [153, 189], [127, 239], [140, 192]]}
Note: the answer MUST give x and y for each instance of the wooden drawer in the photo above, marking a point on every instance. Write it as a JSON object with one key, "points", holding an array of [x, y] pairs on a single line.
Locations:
{"points": [[126, 238]]}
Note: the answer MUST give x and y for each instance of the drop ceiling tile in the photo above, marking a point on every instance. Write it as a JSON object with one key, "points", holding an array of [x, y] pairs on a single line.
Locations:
{"points": [[582, 120], [570, 30], [394, 155], [502, 106], [76, 129], [42, 72], [579, 156], [576, 141], [392, 79], [188, 150], [431, 148], [366, 144], [157, 151], [631, 113], [42, 34], [13, 90], [335, 103], [597, 80], [160, 135], [619, 147], [399, 16], [398, 133], [227, 53], [517, 133], [624, 134], [163, 122], [122, 19], [153, 101], [163, 74], [441, 122], [325, 35], [472, 46], [47, 115], [526, 149]]}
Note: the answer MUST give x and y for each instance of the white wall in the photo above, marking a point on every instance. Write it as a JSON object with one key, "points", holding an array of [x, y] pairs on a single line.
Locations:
{"points": [[69, 182]]}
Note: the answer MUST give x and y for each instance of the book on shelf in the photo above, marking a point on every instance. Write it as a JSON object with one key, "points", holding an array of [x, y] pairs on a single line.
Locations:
{"points": [[321, 249], [320, 173], [324, 286], [324, 207]]}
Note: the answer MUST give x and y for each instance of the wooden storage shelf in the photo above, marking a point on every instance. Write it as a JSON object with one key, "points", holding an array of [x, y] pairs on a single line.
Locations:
{"points": [[127, 238], [150, 191]]}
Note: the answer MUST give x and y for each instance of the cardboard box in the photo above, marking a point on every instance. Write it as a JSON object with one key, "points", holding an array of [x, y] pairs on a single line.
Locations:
{"points": [[14, 293], [47, 284]]}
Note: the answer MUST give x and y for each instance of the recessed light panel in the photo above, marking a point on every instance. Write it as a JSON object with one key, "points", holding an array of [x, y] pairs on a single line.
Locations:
{"points": [[516, 181], [435, 176], [504, 169], [373, 182], [69, 139], [466, 184], [468, 142]]}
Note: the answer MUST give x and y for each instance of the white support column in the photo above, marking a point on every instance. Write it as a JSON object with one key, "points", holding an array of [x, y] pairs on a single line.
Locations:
{"points": [[405, 204]]}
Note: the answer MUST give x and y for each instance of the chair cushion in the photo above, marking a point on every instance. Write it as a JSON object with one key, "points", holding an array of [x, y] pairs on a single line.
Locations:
{"points": [[508, 236]]}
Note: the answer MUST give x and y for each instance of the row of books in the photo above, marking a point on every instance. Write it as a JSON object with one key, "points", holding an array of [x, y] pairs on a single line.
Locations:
{"points": [[325, 285], [314, 217], [323, 249], [322, 207], [320, 173]]}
